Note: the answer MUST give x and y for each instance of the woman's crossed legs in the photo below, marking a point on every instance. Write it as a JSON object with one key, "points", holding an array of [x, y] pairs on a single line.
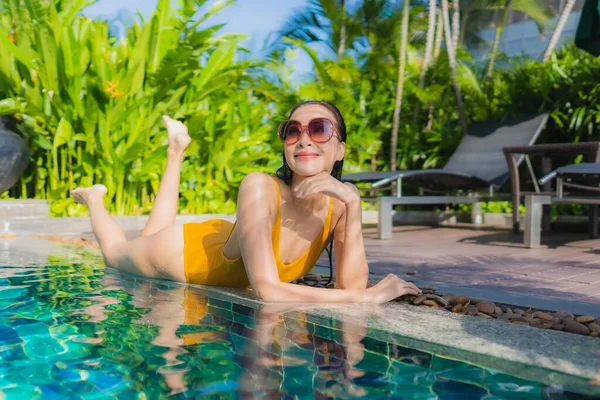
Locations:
{"points": [[158, 252]]}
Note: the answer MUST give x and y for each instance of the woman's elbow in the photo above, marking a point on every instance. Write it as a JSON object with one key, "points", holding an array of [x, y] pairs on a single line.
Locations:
{"points": [[267, 291]]}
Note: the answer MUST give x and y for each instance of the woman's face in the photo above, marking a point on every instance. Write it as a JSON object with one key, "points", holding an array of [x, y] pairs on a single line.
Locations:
{"points": [[307, 157]]}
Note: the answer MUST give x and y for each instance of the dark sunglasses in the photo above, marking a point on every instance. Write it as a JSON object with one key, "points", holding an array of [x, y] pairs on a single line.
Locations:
{"points": [[320, 130]]}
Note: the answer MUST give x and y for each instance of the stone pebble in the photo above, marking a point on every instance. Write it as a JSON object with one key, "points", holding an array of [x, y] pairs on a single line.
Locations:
{"points": [[576, 327], [564, 315], [559, 320], [486, 307], [584, 319], [594, 327], [543, 315], [541, 323], [419, 300]]}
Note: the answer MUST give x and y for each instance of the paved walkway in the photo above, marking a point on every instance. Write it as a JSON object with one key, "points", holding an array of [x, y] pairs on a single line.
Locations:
{"points": [[563, 274]]}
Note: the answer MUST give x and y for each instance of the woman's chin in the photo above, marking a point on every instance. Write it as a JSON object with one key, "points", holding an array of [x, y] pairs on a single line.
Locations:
{"points": [[307, 173]]}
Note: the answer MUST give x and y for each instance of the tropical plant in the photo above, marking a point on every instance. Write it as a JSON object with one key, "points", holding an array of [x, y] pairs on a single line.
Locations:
{"points": [[90, 105], [328, 22]]}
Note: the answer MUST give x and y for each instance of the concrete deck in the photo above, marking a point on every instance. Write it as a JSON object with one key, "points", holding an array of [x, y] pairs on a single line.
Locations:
{"points": [[563, 274]]}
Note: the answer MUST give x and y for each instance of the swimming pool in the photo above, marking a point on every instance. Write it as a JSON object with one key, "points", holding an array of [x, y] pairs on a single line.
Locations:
{"points": [[69, 328]]}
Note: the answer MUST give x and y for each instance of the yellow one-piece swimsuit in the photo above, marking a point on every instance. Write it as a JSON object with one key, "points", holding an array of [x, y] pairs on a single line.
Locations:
{"points": [[205, 263]]}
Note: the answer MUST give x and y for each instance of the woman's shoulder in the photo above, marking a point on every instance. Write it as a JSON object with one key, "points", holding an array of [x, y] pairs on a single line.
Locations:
{"points": [[260, 179], [259, 184]]}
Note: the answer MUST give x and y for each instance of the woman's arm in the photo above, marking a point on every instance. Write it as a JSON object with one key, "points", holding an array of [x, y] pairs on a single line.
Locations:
{"points": [[257, 209], [352, 269], [352, 272]]}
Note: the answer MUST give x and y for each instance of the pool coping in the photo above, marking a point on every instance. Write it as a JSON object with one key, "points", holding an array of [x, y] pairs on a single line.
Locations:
{"points": [[548, 356]]}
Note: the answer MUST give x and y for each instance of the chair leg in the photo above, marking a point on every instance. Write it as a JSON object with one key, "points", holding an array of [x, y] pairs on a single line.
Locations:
{"points": [[384, 225], [533, 219], [594, 220], [476, 214]]}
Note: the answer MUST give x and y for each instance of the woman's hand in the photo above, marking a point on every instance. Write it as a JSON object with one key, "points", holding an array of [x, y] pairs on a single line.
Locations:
{"points": [[324, 183], [390, 288]]}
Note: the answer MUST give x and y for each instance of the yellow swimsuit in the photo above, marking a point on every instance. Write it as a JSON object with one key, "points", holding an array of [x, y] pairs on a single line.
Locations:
{"points": [[205, 263]]}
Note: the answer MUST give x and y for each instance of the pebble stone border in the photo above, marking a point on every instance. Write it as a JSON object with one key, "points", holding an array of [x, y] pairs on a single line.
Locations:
{"points": [[587, 325]]}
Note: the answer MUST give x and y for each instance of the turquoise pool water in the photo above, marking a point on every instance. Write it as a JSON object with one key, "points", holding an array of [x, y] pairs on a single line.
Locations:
{"points": [[72, 329]]}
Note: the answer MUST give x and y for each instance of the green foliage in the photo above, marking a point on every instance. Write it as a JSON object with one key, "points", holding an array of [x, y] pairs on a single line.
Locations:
{"points": [[91, 106]]}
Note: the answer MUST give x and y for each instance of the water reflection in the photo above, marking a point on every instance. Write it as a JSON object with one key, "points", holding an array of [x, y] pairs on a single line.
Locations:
{"points": [[71, 329]]}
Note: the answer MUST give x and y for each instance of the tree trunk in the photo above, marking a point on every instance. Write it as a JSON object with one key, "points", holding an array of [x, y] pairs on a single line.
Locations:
{"points": [[437, 48], [452, 61], [439, 34], [400, 87], [342, 45], [455, 24], [427, 55], [560, 24], [463, 28], [499, 30]]}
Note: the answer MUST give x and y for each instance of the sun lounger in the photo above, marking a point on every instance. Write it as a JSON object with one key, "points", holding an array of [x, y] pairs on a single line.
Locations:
{"points": [[575, 184], [474, 171]]}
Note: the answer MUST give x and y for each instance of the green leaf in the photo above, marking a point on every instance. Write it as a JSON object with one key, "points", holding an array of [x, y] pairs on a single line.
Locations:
{"points": [[17, 52], [9, 107], [64, 133], [220, 59], [319, 66]]}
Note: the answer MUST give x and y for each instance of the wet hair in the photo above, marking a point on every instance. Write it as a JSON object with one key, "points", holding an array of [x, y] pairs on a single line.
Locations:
{"points": [[285, 173]]}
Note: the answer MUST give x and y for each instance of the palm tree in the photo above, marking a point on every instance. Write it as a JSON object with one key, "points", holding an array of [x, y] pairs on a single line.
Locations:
{"points": [[455, 23], [560, 24], [400, 87], [328, 22], [342, 45], [437, 48], [427, 56], [532, 8], [497, 36], [452, 61], [439, 34]]}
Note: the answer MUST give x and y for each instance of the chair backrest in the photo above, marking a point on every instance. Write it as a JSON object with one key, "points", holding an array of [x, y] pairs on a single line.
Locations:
{"points": [[480, 151]]}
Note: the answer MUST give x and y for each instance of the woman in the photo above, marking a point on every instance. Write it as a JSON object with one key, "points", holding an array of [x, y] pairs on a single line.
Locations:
{"points": [[282, 226]]}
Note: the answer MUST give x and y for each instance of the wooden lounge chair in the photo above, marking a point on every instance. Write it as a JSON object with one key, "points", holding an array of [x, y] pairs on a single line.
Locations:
{"points": [[474, 171], [575, 184]]}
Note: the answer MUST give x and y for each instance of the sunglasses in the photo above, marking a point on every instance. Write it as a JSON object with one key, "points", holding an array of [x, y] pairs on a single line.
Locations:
{"points": [[320, 130]]}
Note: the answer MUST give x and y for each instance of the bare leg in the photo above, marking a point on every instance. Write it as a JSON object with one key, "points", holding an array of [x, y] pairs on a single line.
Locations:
{"points": [[107, 231], [165, 206], [156, 256]]}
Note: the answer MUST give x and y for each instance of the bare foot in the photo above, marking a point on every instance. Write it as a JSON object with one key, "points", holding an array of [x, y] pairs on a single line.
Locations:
{"points": [[83, 195], [177, 132]]}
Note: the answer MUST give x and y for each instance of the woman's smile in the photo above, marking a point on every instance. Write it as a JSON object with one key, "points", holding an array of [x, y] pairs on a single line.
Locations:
{"points": [[305, 155]]}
